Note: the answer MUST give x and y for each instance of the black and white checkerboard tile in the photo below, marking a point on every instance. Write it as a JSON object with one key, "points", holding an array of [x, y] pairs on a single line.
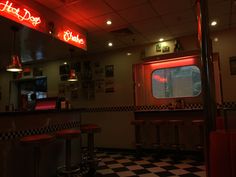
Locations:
{"points": [[119, 165]]}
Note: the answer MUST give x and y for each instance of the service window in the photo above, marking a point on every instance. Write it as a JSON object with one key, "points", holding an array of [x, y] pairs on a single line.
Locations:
{"points": [[184, 81]]}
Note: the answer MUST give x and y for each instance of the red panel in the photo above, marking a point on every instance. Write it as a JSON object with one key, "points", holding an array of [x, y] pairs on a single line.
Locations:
{"points": [[233, 152], [219, 154]]}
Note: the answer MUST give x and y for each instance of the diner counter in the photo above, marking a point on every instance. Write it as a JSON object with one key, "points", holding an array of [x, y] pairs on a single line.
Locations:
{"points": [[17, 124]]}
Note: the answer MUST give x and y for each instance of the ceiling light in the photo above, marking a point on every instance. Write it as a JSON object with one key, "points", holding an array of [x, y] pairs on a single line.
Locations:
{"points": [[129, 53], [109, 22], [65, 63], [214, 23], [72, 76], [161, 39], [216, 39], [110, 44]]}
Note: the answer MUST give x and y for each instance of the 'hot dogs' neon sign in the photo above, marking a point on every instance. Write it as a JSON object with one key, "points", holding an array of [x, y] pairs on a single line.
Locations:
{"points": [[22, 15]]}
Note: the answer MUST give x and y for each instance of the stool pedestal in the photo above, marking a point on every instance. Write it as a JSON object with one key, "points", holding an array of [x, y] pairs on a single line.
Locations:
{"points": [[138, 138], [36, 141], [90, 130], [68, 135]]}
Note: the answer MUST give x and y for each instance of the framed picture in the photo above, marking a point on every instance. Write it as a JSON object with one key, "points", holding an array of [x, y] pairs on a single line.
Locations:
{"points": [[109, 70], [158, 47], [232, 64], [165, 49]]}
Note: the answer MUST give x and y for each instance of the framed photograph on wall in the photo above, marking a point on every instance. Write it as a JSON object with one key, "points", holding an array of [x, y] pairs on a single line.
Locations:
{"points": [[109, 70]]}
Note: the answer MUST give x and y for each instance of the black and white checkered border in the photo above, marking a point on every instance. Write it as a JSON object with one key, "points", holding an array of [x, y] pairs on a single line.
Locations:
{"points": [[49, 129], [191, 106]]}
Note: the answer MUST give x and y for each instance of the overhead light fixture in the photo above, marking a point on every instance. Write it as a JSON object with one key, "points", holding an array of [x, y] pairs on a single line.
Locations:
{"points": [[15, 65], [128, 53], [216, 39], [214, 23], [110, 44], [72, 76], [161, 39], [109, 22], [65, 63]]}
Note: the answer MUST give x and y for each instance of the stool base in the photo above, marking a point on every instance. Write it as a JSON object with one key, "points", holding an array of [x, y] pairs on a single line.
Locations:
{"points": [[73, 172]]}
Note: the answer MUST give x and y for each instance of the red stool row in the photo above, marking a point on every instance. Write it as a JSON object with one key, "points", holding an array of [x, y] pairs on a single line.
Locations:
{"points": [[68, 134]]}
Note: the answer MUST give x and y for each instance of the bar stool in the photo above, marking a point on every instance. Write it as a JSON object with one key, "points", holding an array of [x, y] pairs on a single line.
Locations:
{"points": [[36, 141], [157, 143], [90, 130], [200, 125], [176, 125], [68, 134], [138, 138]]}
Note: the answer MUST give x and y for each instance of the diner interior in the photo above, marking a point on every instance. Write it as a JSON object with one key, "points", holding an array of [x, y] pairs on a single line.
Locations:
{"points": [[138, 88]]}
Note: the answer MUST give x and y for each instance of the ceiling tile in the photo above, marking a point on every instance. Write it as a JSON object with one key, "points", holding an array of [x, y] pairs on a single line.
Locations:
{"points": [[124, 4], [88, 9], [183, 29], [217, 9], [138, 13], [52, 4], [100, 21], [178, 18], [149, 25], [170, 6]]}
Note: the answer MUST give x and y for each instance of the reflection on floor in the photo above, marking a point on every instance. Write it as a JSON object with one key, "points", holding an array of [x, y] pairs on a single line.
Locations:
{"points": [[125, 165]]}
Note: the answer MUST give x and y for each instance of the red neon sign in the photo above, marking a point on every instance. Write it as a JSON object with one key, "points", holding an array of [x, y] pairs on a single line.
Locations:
{"points": [[159, 78], [23, 15], [73, 38]]}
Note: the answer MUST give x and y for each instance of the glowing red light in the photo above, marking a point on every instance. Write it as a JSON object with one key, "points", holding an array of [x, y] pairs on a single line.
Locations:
{"points": [[174, 63], [22, 15], [69, 36], [159, 78], [73, 38]]}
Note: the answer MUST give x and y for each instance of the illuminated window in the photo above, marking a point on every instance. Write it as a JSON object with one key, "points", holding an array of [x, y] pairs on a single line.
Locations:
{"points": [[184, 81]]}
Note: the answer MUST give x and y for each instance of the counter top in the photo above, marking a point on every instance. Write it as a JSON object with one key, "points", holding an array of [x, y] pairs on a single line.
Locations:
{"points": [[41, 111]]}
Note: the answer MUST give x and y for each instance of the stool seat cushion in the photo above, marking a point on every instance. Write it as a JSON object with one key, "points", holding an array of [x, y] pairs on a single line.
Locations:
{"points": [[157, 122], [198, 122], [90, 128], [176, 121], [68, 133], [42, 138], [137, 122]]}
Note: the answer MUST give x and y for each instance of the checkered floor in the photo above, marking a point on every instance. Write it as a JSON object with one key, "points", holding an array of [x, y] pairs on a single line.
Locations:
{"points": [[121, 165]]}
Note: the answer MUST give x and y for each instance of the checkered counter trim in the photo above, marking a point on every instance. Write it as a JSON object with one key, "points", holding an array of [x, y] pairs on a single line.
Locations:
{"points": [[49, 129]]}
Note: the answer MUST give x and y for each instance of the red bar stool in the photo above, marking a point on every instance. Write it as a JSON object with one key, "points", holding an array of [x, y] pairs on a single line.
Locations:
{"points": [[37, 141], [90, 130], [138, 138], [157, 143], [157, 124], [200, 125], [68, 134], [176, 125]]}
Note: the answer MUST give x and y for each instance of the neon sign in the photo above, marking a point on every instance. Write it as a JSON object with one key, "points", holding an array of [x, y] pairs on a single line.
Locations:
{"points": [[69, 36], [73, 38], [22, 15]]}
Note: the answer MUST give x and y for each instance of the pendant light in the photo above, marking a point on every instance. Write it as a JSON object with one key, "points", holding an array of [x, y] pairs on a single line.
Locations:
{"points": [[15, 65], [72, 75]]}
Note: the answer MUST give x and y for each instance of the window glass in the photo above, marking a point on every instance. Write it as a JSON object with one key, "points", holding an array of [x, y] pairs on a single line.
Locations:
{"points": [[184, 81]]}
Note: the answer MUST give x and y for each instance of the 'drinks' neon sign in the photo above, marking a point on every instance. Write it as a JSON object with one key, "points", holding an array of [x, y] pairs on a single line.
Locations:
{"points": [[23, 15], [69, 36]]}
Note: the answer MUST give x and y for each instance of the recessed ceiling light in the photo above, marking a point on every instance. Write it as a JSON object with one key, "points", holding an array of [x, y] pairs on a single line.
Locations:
{"points": [[161, 39], [65, 63], [110, 44], [109, 22], [214, 23], [216, 39], [128, 53]]}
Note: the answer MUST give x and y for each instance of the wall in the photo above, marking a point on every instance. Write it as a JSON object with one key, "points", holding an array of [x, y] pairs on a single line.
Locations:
{"points": [[117, 132]]}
